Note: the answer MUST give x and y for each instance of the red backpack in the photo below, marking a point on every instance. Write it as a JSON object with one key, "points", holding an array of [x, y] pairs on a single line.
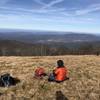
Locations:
{"points": [[39, 72]]}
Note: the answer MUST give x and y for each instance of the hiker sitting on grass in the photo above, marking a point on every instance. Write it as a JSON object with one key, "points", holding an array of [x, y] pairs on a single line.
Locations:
{"points": [[60, 73]]}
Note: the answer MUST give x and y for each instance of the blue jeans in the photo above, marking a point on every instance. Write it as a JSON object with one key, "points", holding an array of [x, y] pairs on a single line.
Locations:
{"points": [[51, 77]]}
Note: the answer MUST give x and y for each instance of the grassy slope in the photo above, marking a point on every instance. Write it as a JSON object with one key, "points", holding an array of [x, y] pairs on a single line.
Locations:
{"points": [[84, 73]]}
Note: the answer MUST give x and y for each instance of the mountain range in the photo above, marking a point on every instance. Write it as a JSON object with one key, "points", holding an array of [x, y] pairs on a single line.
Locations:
{"points": [[47, 37]]}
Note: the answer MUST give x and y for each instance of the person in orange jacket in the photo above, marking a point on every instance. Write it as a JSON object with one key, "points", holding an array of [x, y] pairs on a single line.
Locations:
{"points": [[60, 73]]}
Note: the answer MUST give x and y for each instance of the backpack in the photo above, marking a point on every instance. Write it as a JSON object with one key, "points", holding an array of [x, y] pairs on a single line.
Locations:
{"points": [[39, 72], [6, 80]]}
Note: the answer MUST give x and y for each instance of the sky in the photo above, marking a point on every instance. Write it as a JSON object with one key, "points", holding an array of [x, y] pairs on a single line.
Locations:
{"points": [[52, 15]]}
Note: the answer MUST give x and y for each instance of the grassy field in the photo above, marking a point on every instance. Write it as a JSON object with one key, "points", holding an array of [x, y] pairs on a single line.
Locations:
{"points": [[84, 82]]}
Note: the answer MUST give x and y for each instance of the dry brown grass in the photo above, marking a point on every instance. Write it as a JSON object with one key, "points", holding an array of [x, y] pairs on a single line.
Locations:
{"points": [[84, 73]]}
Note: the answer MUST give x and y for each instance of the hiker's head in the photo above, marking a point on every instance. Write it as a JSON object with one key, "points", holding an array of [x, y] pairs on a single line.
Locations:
{"points": [[60, 63]]}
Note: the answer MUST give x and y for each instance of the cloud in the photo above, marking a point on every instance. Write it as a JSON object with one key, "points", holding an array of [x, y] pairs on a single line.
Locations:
{"points": [[32, 11], [52, 3], [57, 15], [52, 11], [49, 5], [3, 2], [89, 9], [50, 8], [60, 20], [40, 2]]}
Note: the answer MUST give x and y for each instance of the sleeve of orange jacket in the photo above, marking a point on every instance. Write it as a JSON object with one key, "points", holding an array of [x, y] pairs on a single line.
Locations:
{"points": [[56, 71]]}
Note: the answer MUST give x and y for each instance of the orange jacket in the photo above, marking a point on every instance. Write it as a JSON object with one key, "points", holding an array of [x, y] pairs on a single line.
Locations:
{"points": [[60, 74]]}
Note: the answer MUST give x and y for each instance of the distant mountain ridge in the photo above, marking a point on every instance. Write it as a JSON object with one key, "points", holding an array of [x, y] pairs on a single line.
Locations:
{"points": [[48, 37]]}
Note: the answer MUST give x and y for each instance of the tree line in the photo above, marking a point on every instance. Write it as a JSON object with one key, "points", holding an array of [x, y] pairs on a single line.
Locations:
{"points": [[22, 49]]}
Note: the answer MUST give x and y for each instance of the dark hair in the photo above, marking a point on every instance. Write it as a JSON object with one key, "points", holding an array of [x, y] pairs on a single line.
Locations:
{"points": [[60, 63]]}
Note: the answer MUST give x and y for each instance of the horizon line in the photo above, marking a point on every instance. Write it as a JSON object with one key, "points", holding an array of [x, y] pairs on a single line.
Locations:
{"points": [[39, 30]]}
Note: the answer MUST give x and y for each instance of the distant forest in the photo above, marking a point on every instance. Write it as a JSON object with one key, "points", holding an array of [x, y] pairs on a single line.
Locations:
{"points": [[15, 48]]}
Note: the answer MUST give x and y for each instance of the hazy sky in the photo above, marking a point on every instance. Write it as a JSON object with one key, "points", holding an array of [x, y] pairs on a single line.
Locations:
{"points": [[59, 15]]}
